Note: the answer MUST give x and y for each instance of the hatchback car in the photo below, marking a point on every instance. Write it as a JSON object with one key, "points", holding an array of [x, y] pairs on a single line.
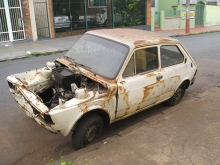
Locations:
{"points": [[107, 75], [78, 19], [61, 22]]}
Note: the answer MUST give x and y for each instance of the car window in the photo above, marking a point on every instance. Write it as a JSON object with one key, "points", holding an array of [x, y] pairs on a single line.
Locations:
{"points": [[130, 69], [170, 55], [101, 56], [143, 60]]}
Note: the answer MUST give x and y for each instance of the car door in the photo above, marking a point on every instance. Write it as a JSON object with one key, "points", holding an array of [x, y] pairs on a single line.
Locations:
{"points": [[139, 86], [173, 66]]}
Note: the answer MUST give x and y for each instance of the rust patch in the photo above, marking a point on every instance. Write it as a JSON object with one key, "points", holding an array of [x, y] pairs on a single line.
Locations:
{"points": [[25, 83], [120, 88], [140, 42], [147, 92], [112, 93], [122, 82], [84, 108], [165, 40], [151, 74]]}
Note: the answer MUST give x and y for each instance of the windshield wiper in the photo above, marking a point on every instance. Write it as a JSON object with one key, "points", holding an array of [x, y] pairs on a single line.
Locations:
{"points": [[84, 66], [88, 68], [71, 60], [77, 64]]}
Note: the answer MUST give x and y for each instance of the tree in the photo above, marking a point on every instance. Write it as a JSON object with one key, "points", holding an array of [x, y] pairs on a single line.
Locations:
{"points": [[129, 11]]}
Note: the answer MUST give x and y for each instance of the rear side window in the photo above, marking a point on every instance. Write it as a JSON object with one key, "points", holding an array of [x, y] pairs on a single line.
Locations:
{"points": [[170, 55]]}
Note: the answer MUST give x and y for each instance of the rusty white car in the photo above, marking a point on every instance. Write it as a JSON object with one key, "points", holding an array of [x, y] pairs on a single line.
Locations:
{"points": [[108, 75]]}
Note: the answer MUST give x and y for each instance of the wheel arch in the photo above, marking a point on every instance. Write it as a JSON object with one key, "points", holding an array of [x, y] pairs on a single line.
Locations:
{"points": [[186, 82], [104, 115]]}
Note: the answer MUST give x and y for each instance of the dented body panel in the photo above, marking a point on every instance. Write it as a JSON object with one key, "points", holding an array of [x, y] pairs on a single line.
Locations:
{"points": [[60, 94]]}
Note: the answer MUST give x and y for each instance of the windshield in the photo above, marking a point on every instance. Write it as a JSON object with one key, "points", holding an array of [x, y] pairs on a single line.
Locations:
{"points": [[103, 57]]}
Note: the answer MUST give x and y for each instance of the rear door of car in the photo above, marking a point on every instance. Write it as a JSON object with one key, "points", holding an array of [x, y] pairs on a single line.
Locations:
{"points": [[140, 84]]}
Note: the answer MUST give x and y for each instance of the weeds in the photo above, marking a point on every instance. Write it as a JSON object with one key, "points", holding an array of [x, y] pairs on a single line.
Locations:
{"points": [[81, 162], [37, 54], [214, 31], [7, 59]]}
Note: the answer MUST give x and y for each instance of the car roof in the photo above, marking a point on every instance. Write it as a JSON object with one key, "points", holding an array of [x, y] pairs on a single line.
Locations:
{"points": [[134, 37]]}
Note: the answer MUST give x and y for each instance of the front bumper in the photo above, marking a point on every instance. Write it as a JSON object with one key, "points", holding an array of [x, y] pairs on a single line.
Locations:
{"points": [[29, 108]]}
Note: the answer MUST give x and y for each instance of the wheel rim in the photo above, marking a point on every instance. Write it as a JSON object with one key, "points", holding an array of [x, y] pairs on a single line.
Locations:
{"points": [[74, 25], [90, 134], [177, 94]]}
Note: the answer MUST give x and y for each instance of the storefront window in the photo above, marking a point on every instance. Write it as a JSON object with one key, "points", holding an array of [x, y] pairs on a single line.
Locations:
{"points": [[72, 17]]}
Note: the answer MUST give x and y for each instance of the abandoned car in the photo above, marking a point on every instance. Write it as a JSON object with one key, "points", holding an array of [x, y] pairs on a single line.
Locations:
{"points": [[106, 76]]}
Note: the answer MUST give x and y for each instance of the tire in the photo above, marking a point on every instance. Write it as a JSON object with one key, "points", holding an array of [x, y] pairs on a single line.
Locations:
{"points": [[87, 131], [177, 96], [75, 26], [106, 23]]}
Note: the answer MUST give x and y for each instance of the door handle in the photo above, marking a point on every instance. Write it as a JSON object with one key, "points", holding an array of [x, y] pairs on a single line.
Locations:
{"points": [[159, 77]]}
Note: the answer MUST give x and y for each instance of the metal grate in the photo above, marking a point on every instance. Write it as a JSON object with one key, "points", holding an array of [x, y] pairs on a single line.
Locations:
{"points": [[11, 21], [41, 16], [4, 35]]}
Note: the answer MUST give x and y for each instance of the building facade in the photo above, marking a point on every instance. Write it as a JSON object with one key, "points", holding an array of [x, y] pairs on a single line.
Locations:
{"points": [[35, 19], [172, 14]]}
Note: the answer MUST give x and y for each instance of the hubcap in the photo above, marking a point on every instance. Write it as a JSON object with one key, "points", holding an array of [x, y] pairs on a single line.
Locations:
{"points": [[177, 94], [90, 134]]}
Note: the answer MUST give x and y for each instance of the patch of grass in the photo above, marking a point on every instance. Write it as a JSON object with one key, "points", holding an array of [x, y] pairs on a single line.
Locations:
{"points": [[37, 54], [7, 59], [28, 55], [81, 162], [213, 31]]}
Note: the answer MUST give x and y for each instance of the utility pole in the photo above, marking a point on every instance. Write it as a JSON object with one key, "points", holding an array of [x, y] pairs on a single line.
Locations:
{"points": [[187, 16]]}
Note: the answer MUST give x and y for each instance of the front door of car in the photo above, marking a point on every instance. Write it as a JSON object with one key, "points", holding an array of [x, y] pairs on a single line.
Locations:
{"points": [[140, 84]]}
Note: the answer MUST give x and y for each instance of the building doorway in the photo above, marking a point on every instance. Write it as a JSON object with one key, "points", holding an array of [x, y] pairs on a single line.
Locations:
{"points": [[41, 17], [199, 20]]}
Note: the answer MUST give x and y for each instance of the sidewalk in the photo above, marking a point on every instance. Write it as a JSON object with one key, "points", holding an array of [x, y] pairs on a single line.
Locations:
{"points": [[185, 134], [19, 49], [198, 29]]}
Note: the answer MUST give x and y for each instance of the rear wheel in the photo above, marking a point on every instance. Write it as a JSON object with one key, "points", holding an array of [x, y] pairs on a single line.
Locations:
{"points": [[178, 95], [87, 131]]}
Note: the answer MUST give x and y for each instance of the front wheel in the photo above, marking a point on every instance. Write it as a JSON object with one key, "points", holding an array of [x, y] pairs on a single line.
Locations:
{"points": [[75, 25], [87, 131], [177, 96]]}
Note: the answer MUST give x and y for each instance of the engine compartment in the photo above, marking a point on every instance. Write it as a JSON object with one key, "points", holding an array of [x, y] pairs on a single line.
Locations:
{"points": [[69, 84]]}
